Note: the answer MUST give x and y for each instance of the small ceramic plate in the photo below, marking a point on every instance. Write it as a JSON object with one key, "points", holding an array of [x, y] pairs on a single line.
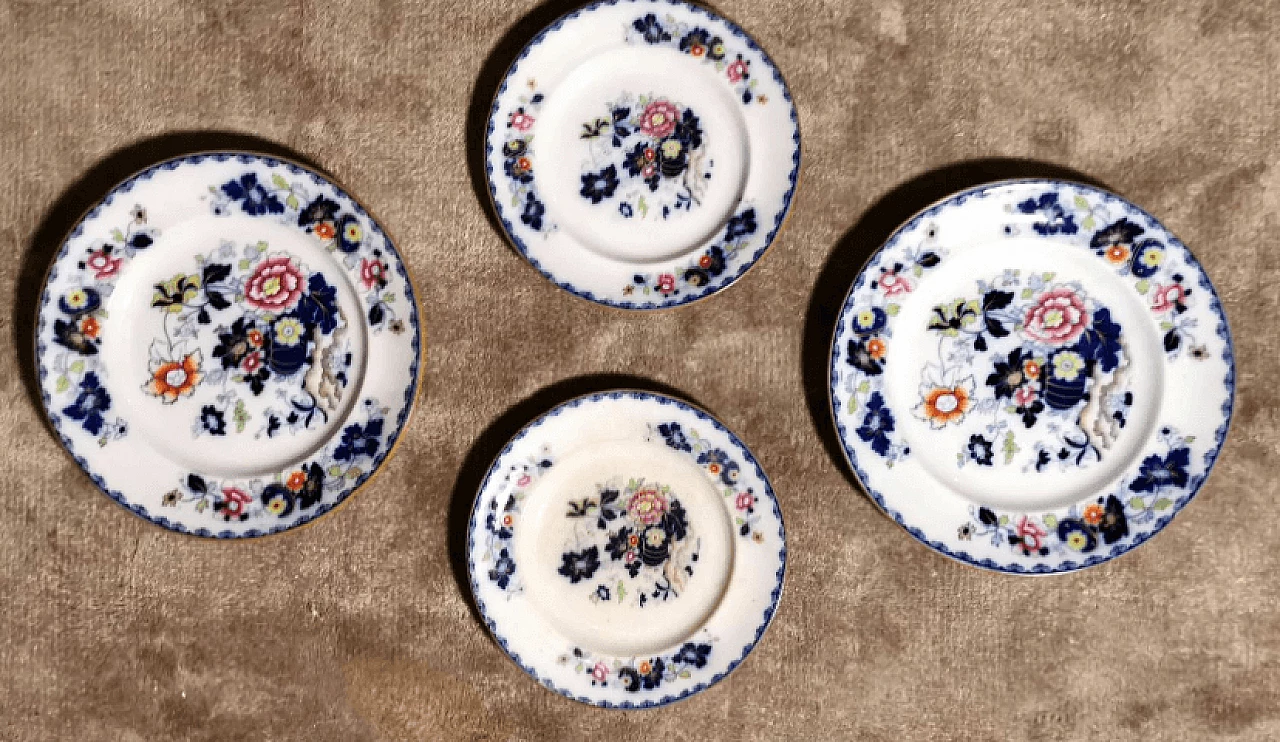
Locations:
{"points": [[1032, 376], [626, 550], [205, 339], [642, 153]]}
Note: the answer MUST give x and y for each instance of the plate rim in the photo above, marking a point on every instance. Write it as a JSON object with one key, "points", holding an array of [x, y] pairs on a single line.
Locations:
{"points": [[781, 221], [775, 596], [990, 565], [245, 156]]}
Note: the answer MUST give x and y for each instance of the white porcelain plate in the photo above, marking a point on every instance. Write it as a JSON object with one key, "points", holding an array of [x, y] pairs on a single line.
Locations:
{"points": [[642, 153], [626, 550], [1032, 376], [228, 345]]}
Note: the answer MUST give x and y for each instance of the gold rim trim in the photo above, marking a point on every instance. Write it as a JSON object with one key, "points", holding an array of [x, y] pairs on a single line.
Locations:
{"points": [[471, 519], [786, 218], [419, 380]]}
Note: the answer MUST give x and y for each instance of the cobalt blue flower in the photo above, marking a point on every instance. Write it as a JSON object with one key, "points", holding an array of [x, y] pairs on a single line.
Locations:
{"points": [[641, 156], [598, 186], [602, 592], [1123, 232], [350, 233], [651, 30], [254, 199], [140, 240], [70, 336], [877, 424], [319, 306], [533, 212], [212, 420], [688, 130], [358, 440], [277, 499], [319, 210], [79, 302], [979, 450], [1148, 256], [580, 565], [869, 321], [89, 405], [692, 654], [1114, 525], [741, 225], [700, 43], [1056, 219], [674, 436], [1077, 535], [1157, 473], [720, 465], [503, 569], [859, 356], [518, 169], [625, 209]]}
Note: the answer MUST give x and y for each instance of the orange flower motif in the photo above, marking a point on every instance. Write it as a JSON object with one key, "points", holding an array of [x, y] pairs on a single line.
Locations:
{"points": [[324, 230], [876, 348], [633, 540], [524, 163], [507, 520], [1093, 514], [295, 481], [944, 399], [645, 667], [1117, 254], [255, 338], [89, 327], [173, 379], [713, 468], [1031, 369]]}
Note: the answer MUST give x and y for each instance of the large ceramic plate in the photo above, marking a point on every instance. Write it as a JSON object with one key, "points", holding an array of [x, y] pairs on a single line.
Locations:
{"points": [[1032, 376], [228, 345], [642, 153], [626, 550]]}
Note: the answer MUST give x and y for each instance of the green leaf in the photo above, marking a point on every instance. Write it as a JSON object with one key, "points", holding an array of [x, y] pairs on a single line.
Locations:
{"points": [[917, 270], [117, 235], [335, 471], [1050, 521], [852, 405], [1137, 503], [1004, 520], [201, 506], [262, 246], [240, 415], [1027, 293], [1142, 286], [1089, 222], [684, 673], [279, 181], [622, 591], [1166, 326], [244, 264], [1163, 503], [389, 298], [77, 367], [1010, 446], [864, 387], [292, 201], [1081, 201], [1189, 439], [1048, 276], [892, 310], [63, 384]]}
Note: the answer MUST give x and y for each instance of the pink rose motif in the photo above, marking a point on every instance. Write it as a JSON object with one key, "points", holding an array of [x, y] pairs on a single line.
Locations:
{"points": [[1057, 318], [1031, 536], [659, 119], [647, 506], [1025, 396], [1167, 298], [524, 481], [744, 501], [372, 272], [666, 283], [648, 170], [275, 286], [102, 264], [233, 502], [521, 121], [893, 284], [737, 70], [252, 362], [600, 672]]}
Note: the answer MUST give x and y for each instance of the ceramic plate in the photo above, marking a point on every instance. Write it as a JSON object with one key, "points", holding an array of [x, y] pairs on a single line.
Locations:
{"points": [[228, 345], [642, 153], [1032, 376], [626, 550]]}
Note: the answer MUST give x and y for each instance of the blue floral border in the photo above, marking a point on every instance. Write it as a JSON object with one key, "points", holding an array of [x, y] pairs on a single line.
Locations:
{"points": [[774, 596], [1193, 487], [246, 158], [709, 289]]}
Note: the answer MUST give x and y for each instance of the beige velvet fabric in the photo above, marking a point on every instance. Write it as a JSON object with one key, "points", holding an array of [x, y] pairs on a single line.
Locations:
{"points": [[361, 626]]}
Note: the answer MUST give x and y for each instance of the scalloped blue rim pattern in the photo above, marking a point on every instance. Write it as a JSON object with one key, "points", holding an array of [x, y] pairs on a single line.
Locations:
{"points": [[247, 159], [711, 288], [774, 596], [1211, 456]]}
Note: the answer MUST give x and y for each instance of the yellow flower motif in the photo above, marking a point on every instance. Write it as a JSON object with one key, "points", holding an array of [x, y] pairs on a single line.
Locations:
{"points": [[288, 331]]}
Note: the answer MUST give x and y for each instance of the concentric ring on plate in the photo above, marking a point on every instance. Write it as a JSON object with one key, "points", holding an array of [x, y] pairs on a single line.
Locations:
{"points": [[1032, 376], [626, 550], [642, 154], [205, 338]]}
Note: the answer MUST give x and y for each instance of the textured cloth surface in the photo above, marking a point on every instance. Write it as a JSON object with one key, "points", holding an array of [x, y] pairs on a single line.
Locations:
{"points": [[361, 627]]}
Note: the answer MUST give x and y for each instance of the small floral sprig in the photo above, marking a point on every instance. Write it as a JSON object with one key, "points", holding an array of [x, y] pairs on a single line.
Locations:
{"points": [[724, 471], [710, 265], [517, 154], [699, 43], [502, 518], [640, 674]]}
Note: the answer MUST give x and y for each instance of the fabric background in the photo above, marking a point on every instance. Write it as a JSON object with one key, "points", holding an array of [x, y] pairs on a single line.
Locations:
{"points": [[361, 627]]}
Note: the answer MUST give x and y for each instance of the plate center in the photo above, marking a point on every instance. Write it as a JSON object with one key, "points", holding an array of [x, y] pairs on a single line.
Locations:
{"points": [[238, 344], [1028, 386], [629, 547], [640, 153]]}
